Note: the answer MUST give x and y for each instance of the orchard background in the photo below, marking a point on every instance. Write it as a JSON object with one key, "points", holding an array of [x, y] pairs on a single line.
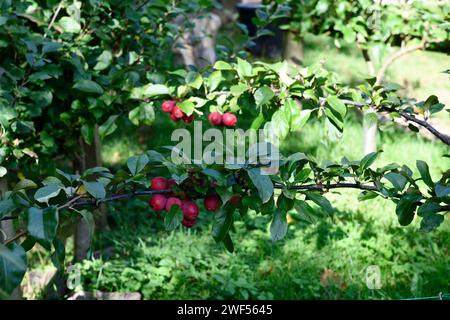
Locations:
{"points": [[93, 205]]}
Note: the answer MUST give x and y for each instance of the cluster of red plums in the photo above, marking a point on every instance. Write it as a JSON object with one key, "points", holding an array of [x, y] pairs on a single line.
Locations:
{"points": [[176, 114], [164, 202], [216, 119], [227, 119]]}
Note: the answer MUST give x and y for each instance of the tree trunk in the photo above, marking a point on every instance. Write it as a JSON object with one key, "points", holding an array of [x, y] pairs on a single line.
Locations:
{"points": [[369, 131], [370, 135], [8, 231], [293, 49], [90, 157]]}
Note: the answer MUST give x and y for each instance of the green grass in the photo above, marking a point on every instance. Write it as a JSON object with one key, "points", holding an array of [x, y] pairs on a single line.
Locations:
{"points": [[190, 265]]}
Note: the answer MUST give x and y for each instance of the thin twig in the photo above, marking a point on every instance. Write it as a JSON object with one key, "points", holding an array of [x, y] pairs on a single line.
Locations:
{"points": [[441, 136], [391, 59], [53, 18], [71, 201], [74, 203], [9, 218], [331, 186], [17, 236]]}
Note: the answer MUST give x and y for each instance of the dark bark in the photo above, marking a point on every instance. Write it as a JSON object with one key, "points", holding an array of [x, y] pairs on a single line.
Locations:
{"points": [[293, 49]]}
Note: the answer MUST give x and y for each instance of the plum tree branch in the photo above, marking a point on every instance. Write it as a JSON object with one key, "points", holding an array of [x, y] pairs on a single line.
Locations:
{"points": [[9, 218], [395, 56], [55, 15], [93, 202], [333, 186], [17, 236], [307, 187], [441, 136]]}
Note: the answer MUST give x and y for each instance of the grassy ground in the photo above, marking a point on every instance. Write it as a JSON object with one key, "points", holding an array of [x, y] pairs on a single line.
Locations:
{"points": [[420, 73], [324, 260]]}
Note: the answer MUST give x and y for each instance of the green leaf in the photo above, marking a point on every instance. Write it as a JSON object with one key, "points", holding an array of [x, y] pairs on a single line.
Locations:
{"points": [[367, 195], [425, 173], [279, 225], [88, 86], [225, 193], [442, 190], [155, 156], [431, 222], [431, 100], [278, 125], [69, 25], [144, 114], [302, 175], [263, 95], [244, 68], [337, 105], [103, 60], [349, 34], [108, 127], [149, 91], [428, 208], [51, 47], [87, 132], [95, 189], [298, 120], [6, 207], [216, 175], [71, 178], [413, 128], [187, 106], [228, 243], [137, 163], [25, 184], [194, 79], [222, 65], [263, 184], [222, 223], [44, 194], [173, 218], [238, 89], [397, 180], [42, 224], [101, 170], [257, 122], [321, 201], [3, 20], [13, 265], [52, 180], [215, 79], [368, 160], [58, 255], [406, 208], [305, 211]]}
